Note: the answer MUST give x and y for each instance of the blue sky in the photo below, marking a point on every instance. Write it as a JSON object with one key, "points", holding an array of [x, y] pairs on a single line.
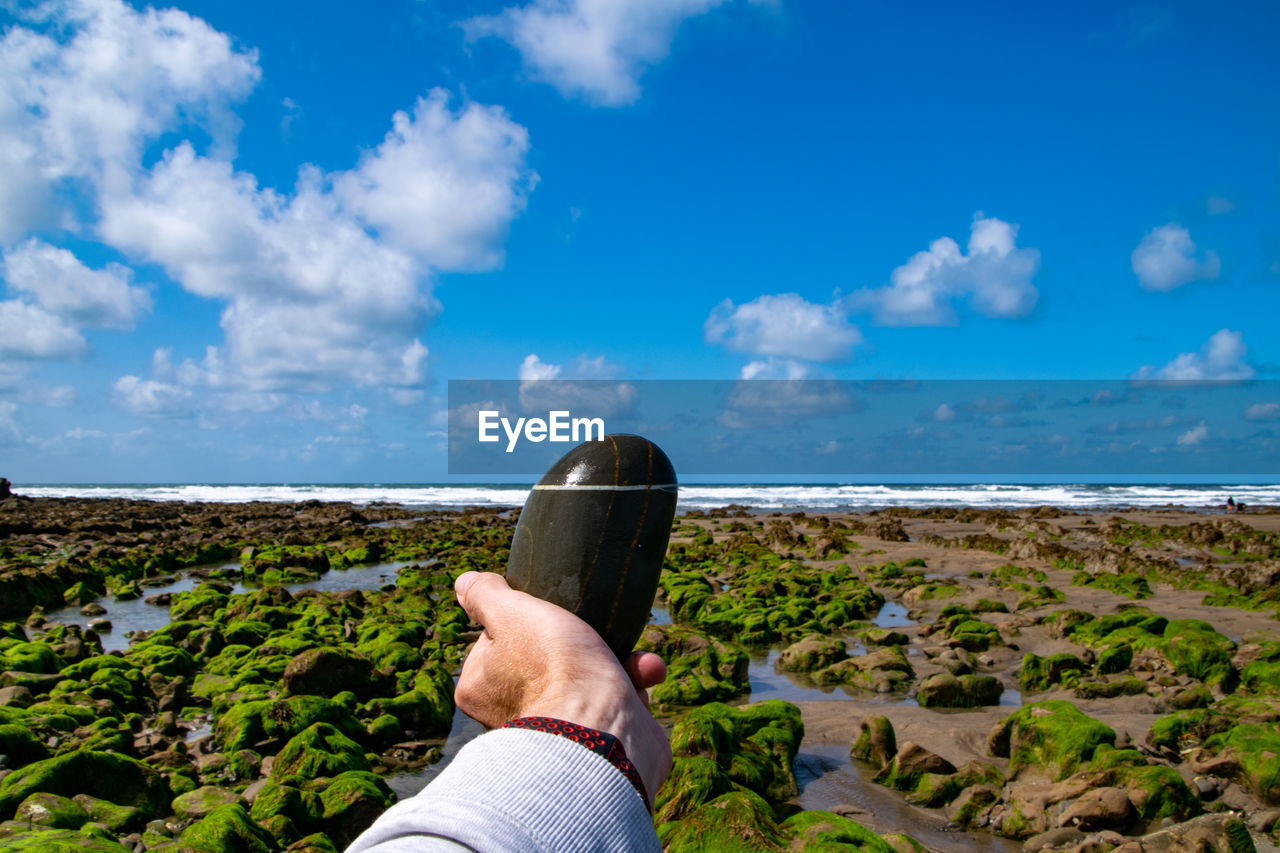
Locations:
{"points": [[249, 242]]}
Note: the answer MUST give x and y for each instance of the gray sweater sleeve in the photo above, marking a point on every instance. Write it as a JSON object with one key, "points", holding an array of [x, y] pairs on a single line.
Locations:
{"points": [[518, 790]]}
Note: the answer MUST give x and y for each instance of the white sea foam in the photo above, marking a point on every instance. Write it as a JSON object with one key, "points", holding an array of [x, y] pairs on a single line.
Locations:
{"points": [[803, 497]]}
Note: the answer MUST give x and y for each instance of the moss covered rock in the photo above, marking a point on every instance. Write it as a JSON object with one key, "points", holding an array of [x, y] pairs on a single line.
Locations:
{"points": [[945, 690], [737, 821], [1039, 674], [819, 830], [52, 811], [62, 841], [248, 723], [227, 827], [1051, 739], [876, 742], [883, 671], [104, 775], [700, 668], [118, 819], [196, 804], [350, 803], [812, 653], [319, 750]]}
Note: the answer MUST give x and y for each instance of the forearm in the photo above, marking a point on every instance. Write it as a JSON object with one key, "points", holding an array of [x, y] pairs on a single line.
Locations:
{"points": [[518, 790]]}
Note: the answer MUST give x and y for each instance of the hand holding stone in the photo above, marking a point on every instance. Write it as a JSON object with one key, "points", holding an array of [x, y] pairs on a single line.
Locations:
{"points": [[537, 659]]}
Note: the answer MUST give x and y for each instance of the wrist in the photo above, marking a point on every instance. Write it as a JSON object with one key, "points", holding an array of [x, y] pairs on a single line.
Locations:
{"points": [[625, 718]]}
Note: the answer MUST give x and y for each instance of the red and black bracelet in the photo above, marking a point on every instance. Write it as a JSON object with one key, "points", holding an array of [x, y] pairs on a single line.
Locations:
{"points": [[601, 743]]}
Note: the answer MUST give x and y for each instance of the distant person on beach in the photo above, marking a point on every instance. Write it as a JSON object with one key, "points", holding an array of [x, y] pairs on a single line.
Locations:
{"points": [[1231, 504], [574, 757], [4, 489]]}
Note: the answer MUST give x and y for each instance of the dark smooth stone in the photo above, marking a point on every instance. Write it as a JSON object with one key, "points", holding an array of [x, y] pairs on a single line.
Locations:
{"points": [[593, 534]]}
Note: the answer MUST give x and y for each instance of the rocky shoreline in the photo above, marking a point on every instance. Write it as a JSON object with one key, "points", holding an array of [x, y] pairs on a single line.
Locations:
{"points": [[1064, 681]]}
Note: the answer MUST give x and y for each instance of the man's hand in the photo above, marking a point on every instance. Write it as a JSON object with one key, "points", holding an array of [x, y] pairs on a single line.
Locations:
{"points": [[535, 659]]}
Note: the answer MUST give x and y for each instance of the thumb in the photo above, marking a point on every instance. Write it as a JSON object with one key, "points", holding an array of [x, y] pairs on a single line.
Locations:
{"points": [[485, 596]]}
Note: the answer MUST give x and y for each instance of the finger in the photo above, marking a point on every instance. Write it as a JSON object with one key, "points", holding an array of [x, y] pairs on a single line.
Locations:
{"points": [[645, 669], [485, 596]]}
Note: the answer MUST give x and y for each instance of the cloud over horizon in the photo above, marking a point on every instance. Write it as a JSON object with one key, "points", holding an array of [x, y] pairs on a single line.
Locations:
{"points": [[1222, 357]]}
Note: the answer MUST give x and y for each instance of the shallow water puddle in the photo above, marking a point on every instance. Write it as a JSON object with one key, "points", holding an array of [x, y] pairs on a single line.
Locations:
{"points": [[137, 615], [766, 683], [893, 615]]}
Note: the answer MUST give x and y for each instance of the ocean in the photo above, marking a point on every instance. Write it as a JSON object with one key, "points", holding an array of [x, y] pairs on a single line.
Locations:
{"points": [[827, 498]]}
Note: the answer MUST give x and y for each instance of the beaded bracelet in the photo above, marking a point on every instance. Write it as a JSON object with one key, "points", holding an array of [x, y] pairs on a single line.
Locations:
{"points": [[601, 743]]}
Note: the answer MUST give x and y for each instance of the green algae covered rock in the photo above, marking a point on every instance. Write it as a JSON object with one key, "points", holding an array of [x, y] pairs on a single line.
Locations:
{"points": [[1256, 749], [301, 808], [20, 744], [1039, 674], [700, 668], [1196, 649], [737, 821], [754, 746], [118, 819], [1191, 646], [61, 841], [694, 780], [815, 830], [30, 657], [812, 653], [1052, 738], [319, 750], [876, 744], [1115, 659], [248, 723], [945, 690], [105, 775], [326, 671], [350, 803], [201, 802], [227, 827], [1156, 792], [52, 811], [883, 671], [316, 842]]}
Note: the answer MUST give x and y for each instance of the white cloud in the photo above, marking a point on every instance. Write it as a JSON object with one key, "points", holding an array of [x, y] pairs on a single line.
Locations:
{"points": [[534, 368], [30, 332], [995, 276], [444, 185], [594, 49], [1193, 436], [151, 398], [324, 286], [1221, 357], [783, 325], [1263, 412], [1167, 258], [82, 109], [776, 368], [62, 285], [313, 298]]}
